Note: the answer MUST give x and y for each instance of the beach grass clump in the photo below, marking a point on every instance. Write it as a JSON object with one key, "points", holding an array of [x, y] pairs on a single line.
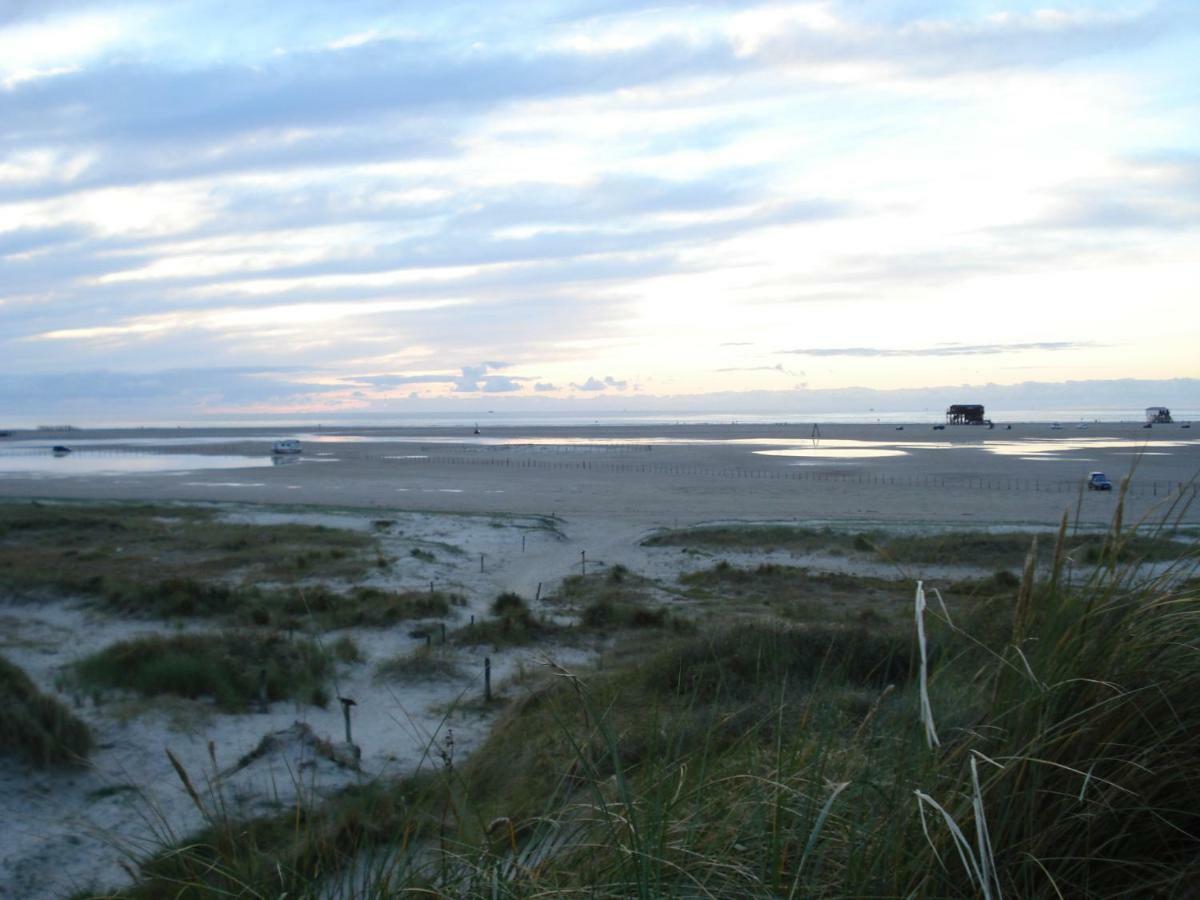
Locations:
{"points": [[977, 549], [124, 549], [422, 664], [793, 592], [361, 606], [754, 538], [235, 669], [35, 726], [512, 624]]}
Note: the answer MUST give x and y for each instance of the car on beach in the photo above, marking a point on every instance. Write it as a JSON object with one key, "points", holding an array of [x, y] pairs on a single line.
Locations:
{"points": [[1098, 481], [289, 446]]}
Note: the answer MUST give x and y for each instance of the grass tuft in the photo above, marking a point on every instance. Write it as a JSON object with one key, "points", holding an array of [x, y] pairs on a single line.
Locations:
{"points": [[37, 727], [235, 669]]}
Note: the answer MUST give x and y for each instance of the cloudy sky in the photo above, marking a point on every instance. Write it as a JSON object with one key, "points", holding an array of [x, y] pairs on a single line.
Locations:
{"points": [[245, 206]]}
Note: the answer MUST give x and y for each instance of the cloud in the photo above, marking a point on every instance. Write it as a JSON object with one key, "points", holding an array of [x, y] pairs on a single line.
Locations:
{"points": [[470, 379], [776, 368], [545, 386], [597, 384], [941, 349], [499, 384], [168, 392]]}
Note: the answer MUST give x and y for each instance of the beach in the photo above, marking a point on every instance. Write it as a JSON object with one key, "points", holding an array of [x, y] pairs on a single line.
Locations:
{"points": [[638, 475]]}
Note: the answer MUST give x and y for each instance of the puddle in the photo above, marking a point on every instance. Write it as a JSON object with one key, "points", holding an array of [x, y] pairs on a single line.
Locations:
{"points": [[224, 484], [45, 463], [1067, 445], [835, 452]]}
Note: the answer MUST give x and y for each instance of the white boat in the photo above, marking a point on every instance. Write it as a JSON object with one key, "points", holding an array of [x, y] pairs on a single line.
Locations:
{"points": [[291, 445]]}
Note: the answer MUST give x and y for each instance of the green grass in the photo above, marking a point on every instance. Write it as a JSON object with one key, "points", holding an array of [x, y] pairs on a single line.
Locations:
{"points": [[753, 538], [121, 548], [980, 549], [37, 727], [764, 759], [229, 668], [422, 664]]}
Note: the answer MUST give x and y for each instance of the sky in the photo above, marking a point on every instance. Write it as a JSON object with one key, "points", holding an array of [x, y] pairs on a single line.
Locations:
{"points": [[219, 208]]}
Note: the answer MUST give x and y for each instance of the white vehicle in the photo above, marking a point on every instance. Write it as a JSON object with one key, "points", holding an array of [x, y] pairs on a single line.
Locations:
{"points": [[291, 445]]}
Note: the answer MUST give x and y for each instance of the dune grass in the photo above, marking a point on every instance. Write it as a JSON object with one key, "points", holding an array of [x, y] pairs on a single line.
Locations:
{"points": [[37, 727], [233, 668], [111, 549], [422, 664], [979, 549], [1053, 752]]}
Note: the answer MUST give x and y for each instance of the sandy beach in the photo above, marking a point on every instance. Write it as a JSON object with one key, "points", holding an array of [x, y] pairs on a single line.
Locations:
{"points": [[644, 476]]}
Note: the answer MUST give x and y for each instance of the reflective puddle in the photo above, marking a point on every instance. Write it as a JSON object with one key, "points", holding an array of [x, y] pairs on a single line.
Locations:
{"points": [[46, 464], [823, 452]]}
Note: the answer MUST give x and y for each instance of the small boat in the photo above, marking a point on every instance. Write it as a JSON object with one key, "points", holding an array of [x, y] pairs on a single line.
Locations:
{"points": [[60, 450], [1056, 427], [291, 445]]}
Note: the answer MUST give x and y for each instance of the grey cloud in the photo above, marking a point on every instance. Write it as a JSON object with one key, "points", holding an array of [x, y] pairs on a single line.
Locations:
{"points": [[165, 392], [940, 350], [28, 240], [499, 384], [597, 384], [545, 386], [471, 379]]}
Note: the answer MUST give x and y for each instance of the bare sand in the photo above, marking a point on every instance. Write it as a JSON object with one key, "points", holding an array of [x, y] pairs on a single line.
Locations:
{"points": [[651, 476]]}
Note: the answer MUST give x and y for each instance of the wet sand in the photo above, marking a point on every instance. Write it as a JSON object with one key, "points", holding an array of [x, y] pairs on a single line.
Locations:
{"points": [[642, 475]]}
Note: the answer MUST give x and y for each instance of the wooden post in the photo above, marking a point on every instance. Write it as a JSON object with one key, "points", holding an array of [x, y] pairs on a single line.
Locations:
{"points": [[582, 562], [480, 562], [522, 543], [443, 624], [539, 593], [346, 704], [487, 679], [262, 689]]}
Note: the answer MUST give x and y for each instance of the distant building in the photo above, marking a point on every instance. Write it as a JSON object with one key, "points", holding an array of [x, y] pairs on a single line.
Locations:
{"points": [[1158, 415], [966, 414]]}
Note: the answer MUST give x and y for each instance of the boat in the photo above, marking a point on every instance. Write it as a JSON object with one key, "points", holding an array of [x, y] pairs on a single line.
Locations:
{"points": [[289, 446], [60, 450]]}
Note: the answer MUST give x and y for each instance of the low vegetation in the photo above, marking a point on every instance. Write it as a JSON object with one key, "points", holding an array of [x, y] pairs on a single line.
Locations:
{"points": [[422, 664], [123, 550], [37, 727], [236, 669], [978, 549], [1048, 754]]}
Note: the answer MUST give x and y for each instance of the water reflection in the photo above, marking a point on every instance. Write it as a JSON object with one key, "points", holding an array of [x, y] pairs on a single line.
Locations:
{"points": [[47, 464]]}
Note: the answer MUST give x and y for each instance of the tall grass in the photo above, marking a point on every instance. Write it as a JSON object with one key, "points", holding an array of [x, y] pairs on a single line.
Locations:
{"points": [[767, 759], [37, 727], [236, 669]]}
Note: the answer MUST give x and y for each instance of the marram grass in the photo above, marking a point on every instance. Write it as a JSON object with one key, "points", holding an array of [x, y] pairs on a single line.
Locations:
{"points": [[775, 760]]}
